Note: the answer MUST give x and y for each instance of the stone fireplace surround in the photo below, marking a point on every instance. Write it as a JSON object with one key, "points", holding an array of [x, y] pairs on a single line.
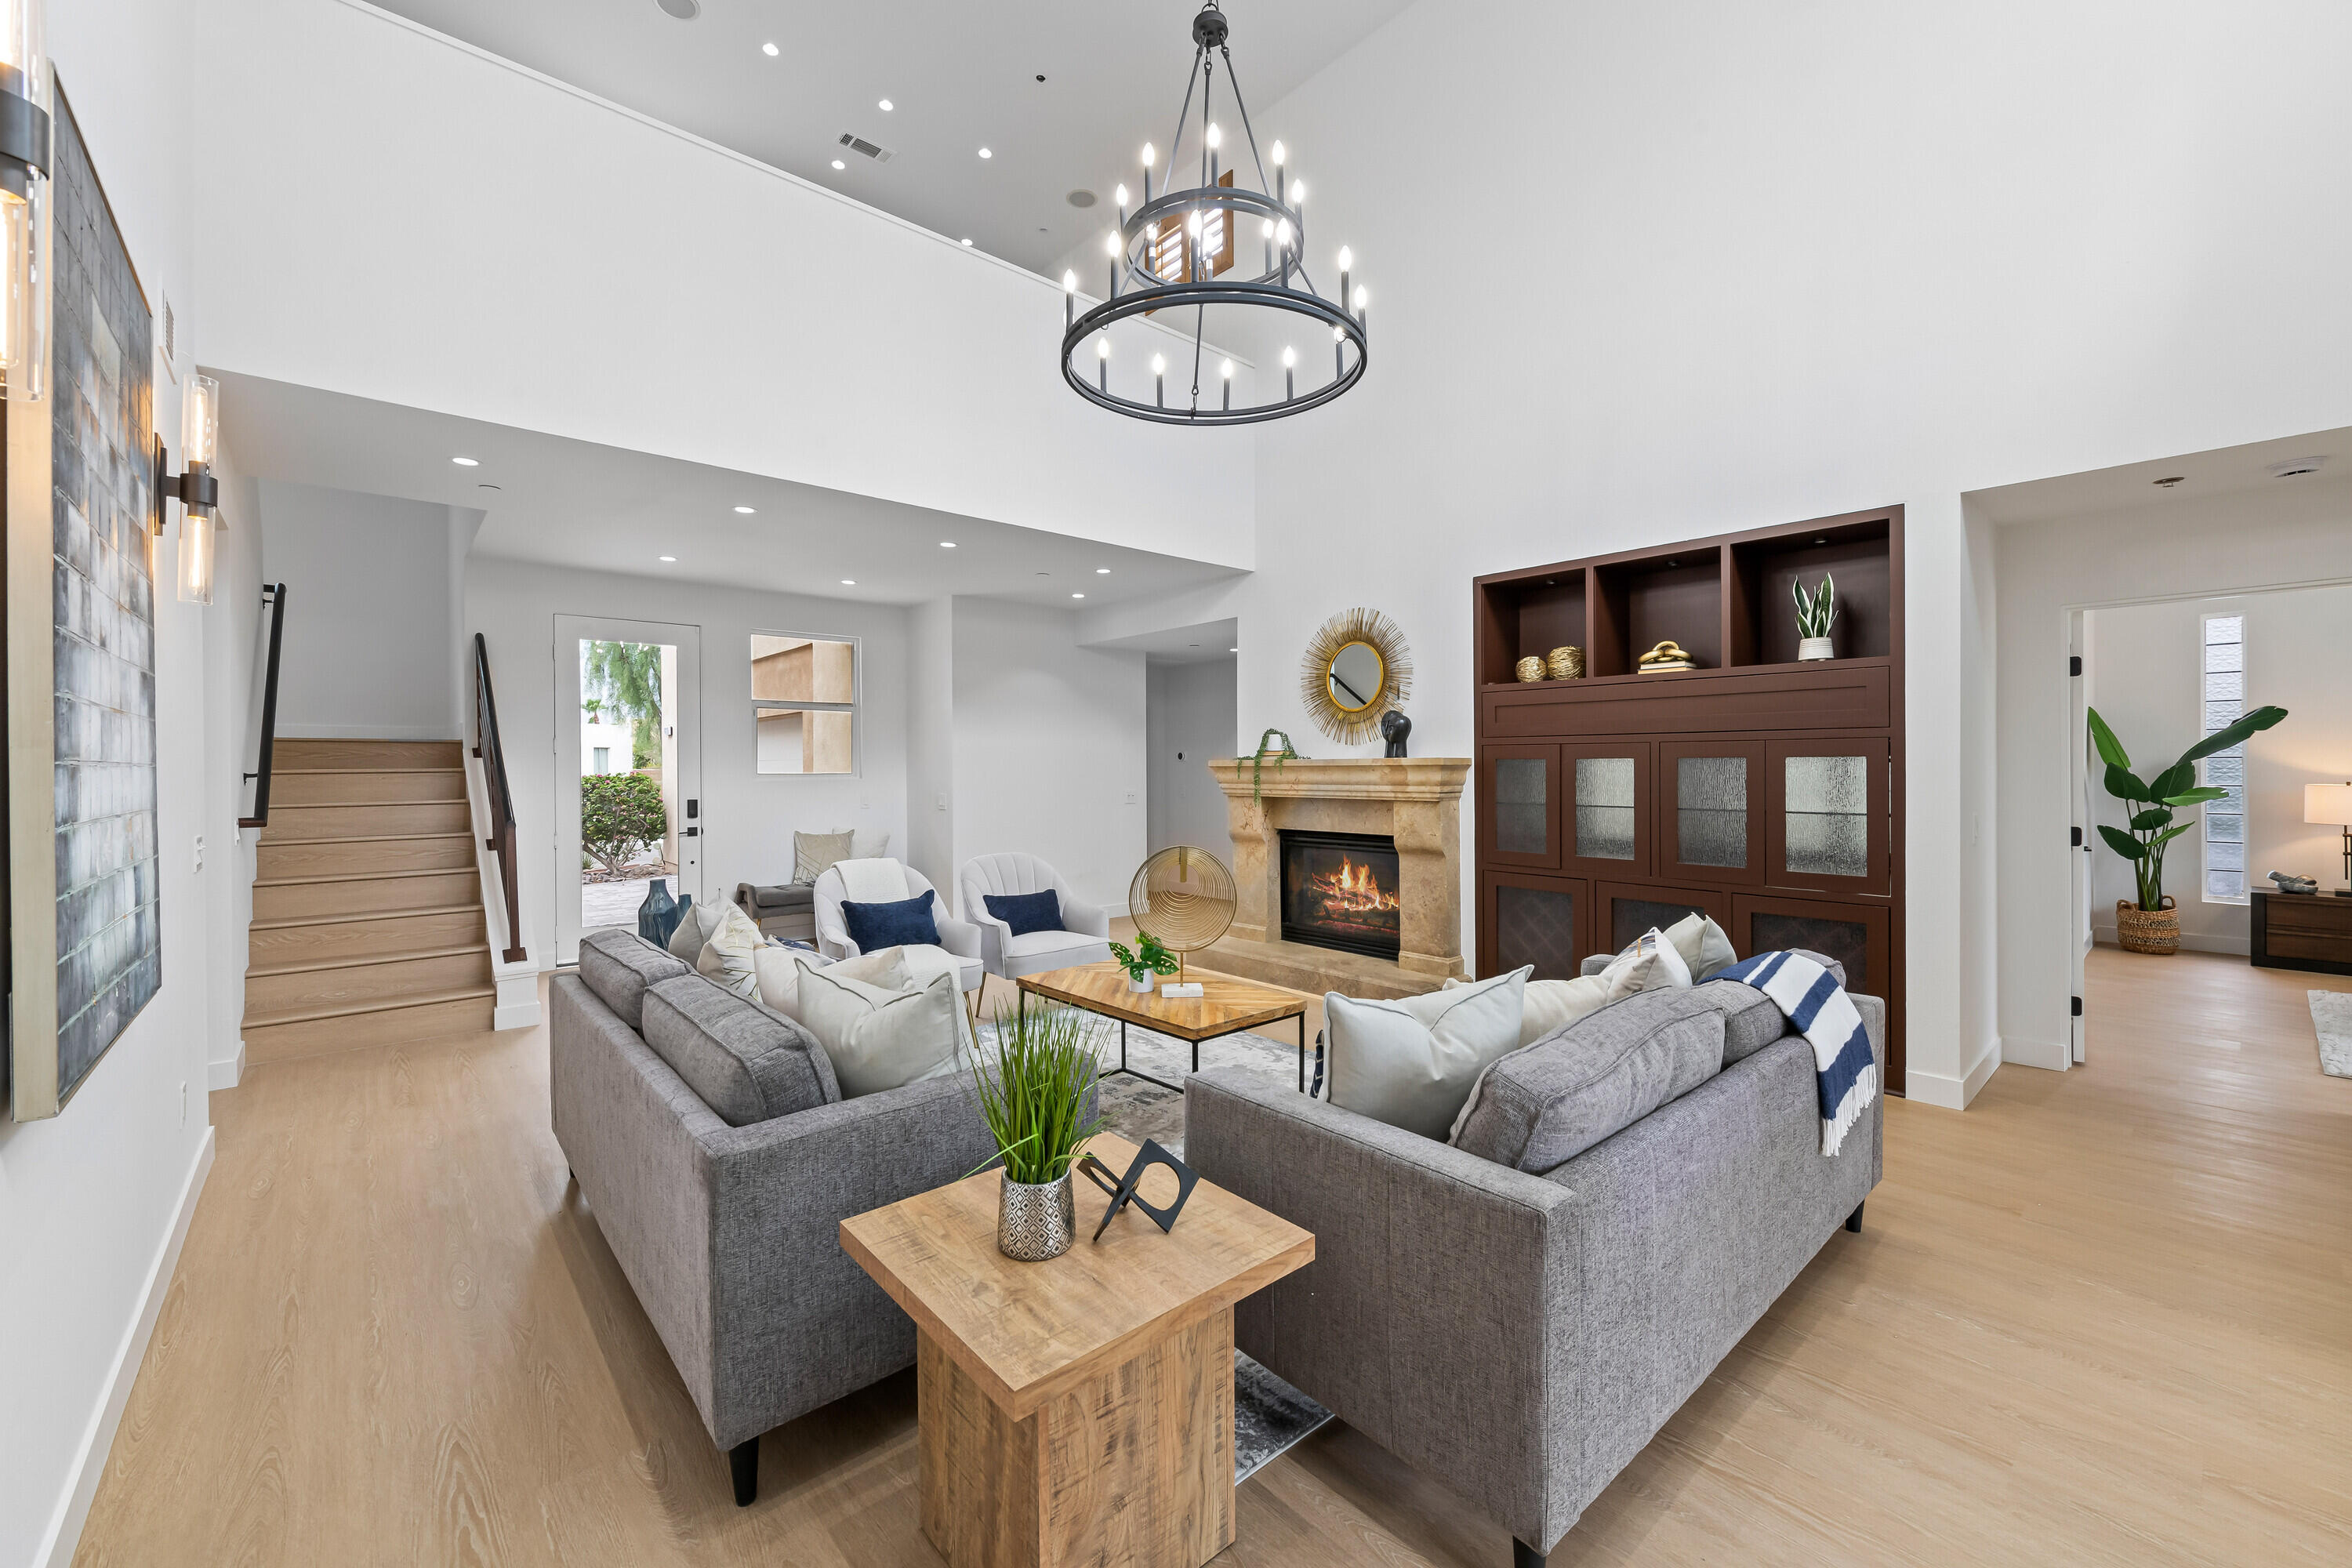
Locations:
{"points": [[1417, 801]]}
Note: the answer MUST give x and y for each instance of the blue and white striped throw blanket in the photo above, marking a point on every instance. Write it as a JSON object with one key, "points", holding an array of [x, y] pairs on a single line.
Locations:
{"points": [[1811, 998]]}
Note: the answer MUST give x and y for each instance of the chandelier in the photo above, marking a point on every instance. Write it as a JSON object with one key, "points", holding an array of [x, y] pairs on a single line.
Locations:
{"points": [[1184, 251]]}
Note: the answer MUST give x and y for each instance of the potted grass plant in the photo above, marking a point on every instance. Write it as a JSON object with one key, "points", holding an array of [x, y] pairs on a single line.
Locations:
{"points": [[2151, 923], [1037, 1097]]}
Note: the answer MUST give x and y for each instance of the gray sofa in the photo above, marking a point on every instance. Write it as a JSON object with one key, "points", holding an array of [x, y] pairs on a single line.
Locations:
{"points": [[1522, 1336], [718, 1159]]}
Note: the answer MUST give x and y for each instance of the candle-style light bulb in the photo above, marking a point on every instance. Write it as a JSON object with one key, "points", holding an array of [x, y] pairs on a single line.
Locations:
{"points": [[1149, 155], [1102, 364], [1159, 380], [1159, 364], [1265, 230], [1289, 372], [1282, 234], [1278, 153], [1362, 296], [1120, 197], [1102, 347], [1226, 371], [1299, 195], [1289, 357], [1069, 282]]}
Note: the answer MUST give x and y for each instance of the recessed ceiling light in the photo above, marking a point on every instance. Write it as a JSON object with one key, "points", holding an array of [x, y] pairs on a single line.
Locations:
{"points": [[849, 581], [986, 153], [839, 165], [2295, 467], [1102, 571], [947, 544], [885, 106], [769, 50], [486, 485], [684, 10], [746, 511], [1233, 650], [965, 242], [467, 462], [666, 558], [1077, 596], [1191, 645], [2166, 484]]}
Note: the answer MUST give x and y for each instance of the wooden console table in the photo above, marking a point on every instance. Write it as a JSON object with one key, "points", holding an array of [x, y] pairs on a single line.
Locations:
{"points": [[2302, 930], [1078, 1410]]}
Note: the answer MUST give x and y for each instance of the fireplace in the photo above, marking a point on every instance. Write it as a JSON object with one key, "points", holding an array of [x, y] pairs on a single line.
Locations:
{"points": [[1341, 890]]}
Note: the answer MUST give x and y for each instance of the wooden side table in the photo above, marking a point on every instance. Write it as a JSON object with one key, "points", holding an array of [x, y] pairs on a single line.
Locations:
{"points": [[2302, 930], [1079, 1410]]}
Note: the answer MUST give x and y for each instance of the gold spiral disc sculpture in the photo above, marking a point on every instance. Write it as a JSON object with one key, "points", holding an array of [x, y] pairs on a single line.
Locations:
{"points": [[1184, 896]]}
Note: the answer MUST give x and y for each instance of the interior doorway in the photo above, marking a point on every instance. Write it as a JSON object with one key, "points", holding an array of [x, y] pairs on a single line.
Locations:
{"points": [[627, 774], [1191, 712]]}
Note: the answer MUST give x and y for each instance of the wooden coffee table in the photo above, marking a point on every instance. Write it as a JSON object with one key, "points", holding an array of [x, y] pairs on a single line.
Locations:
{"points": [[1078, 1410], [1226, 1007]]}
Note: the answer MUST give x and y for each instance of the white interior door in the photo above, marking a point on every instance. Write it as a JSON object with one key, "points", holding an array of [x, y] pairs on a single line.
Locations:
{"points": [[680, 743]]}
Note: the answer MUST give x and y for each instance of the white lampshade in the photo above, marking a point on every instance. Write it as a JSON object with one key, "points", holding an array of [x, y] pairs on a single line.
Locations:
{"points": [[2328, 804]]}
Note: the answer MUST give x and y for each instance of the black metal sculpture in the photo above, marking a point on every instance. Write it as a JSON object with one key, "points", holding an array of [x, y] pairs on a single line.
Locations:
{"points": [[1395, 728], [1122, 1189]]}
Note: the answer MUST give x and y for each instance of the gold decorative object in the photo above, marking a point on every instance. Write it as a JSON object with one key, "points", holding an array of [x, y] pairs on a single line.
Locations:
{"points": [[1357, 667], [1565, 664], [1530, 668], [1667, 655], [1185, 897]]}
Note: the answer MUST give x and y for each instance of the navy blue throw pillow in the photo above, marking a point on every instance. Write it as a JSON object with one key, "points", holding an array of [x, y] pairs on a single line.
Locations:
{"points": [[907, 922], [1026, 912]]}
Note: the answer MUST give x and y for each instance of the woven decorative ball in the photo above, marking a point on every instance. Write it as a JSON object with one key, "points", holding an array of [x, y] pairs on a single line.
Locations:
{"points": [[1565, 664], [1529, 669], [1184, 896]]}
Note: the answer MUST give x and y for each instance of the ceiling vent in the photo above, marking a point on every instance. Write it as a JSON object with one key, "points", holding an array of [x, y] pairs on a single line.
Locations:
{"points": [[2296, 469], [864, 149]]}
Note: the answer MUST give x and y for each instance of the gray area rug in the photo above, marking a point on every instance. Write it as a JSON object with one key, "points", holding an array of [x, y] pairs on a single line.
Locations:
{"points": [[2331, 1017], [1269, 1416]]}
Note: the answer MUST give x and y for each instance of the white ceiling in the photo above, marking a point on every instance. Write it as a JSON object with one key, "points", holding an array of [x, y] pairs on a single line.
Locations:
{"points": [[959, 76], [2222, 471], [1204, 643], [563, 502]]}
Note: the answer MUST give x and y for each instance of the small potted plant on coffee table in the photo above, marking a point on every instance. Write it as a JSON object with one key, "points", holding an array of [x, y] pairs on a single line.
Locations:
{"points": [[1037, 1097], [1148, 959]]}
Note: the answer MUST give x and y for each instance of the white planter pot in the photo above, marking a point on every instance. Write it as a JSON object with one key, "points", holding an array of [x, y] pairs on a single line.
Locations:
{"points": [[1810, 648], [1143, 987]]}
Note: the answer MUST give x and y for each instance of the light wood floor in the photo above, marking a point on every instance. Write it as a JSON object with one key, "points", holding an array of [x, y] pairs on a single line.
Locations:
{"points": [[2104, 1316]]}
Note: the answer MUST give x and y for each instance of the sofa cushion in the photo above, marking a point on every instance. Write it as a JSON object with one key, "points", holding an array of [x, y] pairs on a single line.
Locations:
{"points": [[747, 1064], [1411, 1062], [906, 922], [727, 951], [814, 852], [1751, 1020], [618, 965], [1026, 913], [1541, 1107], [880, 1037], [783, 897]]}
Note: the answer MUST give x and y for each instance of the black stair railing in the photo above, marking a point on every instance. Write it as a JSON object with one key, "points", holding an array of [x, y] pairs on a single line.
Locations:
{"points": [[273, 599], [487, 746]]}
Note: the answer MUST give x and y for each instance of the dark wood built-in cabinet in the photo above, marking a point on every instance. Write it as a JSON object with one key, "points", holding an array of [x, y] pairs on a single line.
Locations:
{"points": [[1765, 792]]}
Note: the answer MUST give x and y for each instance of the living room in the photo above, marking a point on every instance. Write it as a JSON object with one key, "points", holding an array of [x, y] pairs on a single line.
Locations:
{"points": [[435, 340]]}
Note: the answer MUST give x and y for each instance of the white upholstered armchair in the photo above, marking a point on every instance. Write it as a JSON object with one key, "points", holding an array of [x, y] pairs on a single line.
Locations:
{"points": [[1084, 936], [890, 882]]}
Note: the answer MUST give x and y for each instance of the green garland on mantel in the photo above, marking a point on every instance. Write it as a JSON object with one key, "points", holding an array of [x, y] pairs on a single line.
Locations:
{"points": [[1266, 748]]}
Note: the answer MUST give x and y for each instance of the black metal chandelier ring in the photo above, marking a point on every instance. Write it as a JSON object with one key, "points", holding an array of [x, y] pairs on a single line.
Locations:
{"points": [[1280, 259], [1142, 301]]}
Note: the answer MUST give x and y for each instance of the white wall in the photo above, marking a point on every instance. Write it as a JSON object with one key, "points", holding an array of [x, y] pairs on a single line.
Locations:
{"points": [[236, 661], [93, 1203], [1189, 718], [2173, 548], [1765, 264], [621, 282], [368, 632], [1049, 747], [748, 818], [931, 744], [2142, 672]]}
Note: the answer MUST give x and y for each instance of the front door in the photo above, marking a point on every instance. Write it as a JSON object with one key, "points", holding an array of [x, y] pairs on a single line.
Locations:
{"points": [[628, 771]]}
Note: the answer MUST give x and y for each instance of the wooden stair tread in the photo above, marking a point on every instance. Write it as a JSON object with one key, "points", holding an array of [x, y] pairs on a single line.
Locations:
{"points": [[370, 838], [302, 922], [486, 991], [364, 961], [365, 804], [346, 772]]}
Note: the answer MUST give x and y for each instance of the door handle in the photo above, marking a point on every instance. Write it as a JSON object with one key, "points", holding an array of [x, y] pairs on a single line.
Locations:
{"points": [[690, 833]]}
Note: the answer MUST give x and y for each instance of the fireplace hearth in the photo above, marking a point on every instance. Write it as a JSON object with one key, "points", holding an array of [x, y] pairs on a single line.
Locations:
{"points": [[1341, 890]]}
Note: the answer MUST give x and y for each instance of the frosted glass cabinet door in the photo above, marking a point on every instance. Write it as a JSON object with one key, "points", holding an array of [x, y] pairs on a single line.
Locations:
{"points": [[1831, 813], [1710, 801], [1518, 805], [1605, 819]]}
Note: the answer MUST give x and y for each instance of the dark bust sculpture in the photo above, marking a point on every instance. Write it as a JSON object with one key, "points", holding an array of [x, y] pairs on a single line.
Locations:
{"points": [[1395, 728]]}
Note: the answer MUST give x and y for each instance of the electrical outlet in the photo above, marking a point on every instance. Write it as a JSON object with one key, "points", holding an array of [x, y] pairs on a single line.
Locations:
{"points": [[184, 1102], [200, 852], [943, 801], [1130, 798]]}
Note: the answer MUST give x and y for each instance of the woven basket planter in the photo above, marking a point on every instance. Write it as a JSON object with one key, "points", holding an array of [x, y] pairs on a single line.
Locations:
{"points": [[2148, 931]]}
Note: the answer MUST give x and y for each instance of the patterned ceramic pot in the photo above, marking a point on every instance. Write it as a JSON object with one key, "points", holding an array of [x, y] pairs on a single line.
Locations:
{"points": [[1565, 664], [1035, 1223], [2148, 931], [1529, 669], [1144, 986]]}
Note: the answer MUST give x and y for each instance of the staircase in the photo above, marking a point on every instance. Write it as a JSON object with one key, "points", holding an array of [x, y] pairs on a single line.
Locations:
{"points": [[367, 906]]}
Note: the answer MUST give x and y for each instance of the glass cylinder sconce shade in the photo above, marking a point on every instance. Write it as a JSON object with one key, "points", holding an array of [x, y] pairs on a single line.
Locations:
{"points": [[197, 553], [200, 422], [23, 200]]}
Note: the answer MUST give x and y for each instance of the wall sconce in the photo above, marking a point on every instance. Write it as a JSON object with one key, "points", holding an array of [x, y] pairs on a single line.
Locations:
{"points": [[197, 492], [23, 201]]}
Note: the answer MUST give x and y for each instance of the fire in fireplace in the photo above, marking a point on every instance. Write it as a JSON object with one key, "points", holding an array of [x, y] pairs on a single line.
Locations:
{"points": [[1340, 891]]}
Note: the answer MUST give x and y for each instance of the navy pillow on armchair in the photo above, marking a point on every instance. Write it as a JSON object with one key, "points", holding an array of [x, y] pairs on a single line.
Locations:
{"points": [[1026, 912], [906, 923]]}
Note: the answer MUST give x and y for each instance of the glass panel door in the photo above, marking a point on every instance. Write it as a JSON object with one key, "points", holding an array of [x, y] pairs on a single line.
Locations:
{"points": [[1518, 805], [1606, 824], [1830, 811], [1709, 795]]}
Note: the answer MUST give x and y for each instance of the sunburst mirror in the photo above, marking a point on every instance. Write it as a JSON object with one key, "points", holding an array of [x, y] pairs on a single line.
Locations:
{"points": [[1356, 668]]}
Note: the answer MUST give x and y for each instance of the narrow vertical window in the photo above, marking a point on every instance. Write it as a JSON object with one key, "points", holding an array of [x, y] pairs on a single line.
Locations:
{"points": [[2223, 693]]}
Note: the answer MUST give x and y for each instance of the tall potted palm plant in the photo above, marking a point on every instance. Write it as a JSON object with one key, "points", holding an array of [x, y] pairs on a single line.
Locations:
{"points": [[2152, 922]]}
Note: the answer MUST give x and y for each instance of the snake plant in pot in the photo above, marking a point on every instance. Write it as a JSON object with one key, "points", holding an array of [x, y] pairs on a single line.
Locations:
{"points": [[2152, 923]]}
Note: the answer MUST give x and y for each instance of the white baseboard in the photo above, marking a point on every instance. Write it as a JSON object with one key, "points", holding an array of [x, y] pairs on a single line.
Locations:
{"points": [[2052, 1056], [57, 1550], [515, 1015], [1949, 1092], [517, 984], [228, 1074], [2191, 942]]}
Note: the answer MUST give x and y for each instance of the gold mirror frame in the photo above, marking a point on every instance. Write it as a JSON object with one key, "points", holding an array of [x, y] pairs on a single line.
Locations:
{"points": [[1351, 726]]}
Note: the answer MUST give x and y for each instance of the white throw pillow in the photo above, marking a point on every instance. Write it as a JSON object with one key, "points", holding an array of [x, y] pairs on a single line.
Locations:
{"points": [[1704, 945], [1411, 1063], [694, 928], [727, 951], [780, 976], [1551, 1005], [1652, 963], [865, 846], [879, 1039]]}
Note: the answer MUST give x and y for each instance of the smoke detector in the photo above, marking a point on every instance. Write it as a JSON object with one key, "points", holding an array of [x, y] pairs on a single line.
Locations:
{"points": [[864, 149], [2296, 467]]}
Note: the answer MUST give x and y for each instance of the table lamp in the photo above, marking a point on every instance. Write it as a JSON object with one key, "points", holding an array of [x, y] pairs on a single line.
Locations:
{"points": [[2332, 803]]}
